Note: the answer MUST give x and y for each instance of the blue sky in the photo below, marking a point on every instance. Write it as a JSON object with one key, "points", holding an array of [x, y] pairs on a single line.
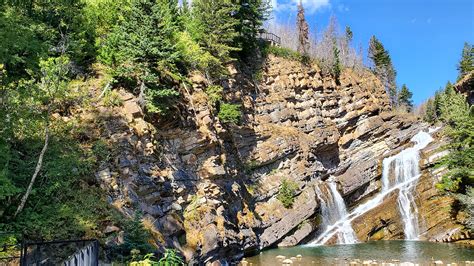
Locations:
{"points": [[424, 38]]}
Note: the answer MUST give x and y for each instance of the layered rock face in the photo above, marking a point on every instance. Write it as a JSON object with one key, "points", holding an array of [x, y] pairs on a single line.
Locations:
{"points": [[210, 189], [438, 218]]}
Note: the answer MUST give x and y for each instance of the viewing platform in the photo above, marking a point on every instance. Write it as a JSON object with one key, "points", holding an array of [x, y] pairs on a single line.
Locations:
{"points": [[269, 37]]}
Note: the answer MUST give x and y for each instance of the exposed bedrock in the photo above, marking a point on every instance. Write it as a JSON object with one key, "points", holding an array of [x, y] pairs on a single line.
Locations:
{"points": [[211, 189]]}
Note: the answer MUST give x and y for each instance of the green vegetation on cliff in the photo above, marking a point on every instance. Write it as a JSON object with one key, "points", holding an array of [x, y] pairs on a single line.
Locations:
{"points": [[50, 50], [452, 109]]}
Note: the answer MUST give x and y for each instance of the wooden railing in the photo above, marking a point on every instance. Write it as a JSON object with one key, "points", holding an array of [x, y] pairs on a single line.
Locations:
{"points": [[270, 37]]}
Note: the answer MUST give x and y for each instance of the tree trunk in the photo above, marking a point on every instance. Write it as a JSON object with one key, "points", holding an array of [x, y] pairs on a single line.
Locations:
{"points": [[38, 168]]}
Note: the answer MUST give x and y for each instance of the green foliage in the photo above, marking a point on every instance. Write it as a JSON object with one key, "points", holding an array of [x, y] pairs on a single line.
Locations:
{"points": [[282, 52], [141, 50], [135, 241], [230, 113], [458, 117], [383, 67], [214, 92], [467, 201], [337, 67], [194, 55], [171, 257], [251, 15], [349, 34], [112, 99], [287, 193], [13, 248], [41, 29], [430, 112], [101, 151], [213, 26], [104, 15], [405, 98], [466, 64]]}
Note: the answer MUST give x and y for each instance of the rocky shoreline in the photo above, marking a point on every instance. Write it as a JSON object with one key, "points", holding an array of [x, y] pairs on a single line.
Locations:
{"points": [[299, 260]]}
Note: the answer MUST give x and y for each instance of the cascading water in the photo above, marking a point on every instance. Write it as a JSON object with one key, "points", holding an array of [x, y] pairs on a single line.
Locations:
{"points": [[404, 178], [334, 209]]}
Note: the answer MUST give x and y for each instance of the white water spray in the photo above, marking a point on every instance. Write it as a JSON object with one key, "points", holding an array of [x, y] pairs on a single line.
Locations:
{"points": [[334, 209], [406, 175]]}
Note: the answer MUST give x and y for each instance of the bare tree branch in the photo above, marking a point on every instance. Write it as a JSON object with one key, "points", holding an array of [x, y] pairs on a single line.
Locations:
{"points": [[38, 168]]}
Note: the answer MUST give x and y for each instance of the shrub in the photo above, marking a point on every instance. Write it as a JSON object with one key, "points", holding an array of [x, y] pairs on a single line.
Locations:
{"points": [[282, 52], [214, 92], [230, 113], [287, 192], [112, 99], [170, 258], [467, 201], [135, 240]]}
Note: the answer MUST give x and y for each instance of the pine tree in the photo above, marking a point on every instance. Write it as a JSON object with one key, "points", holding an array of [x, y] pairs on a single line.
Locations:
{"points": [[303, 31], [437, 104], [383, 68], [349, 34], [251, 16], [336, 68], [347, 40], [430, 113], [215, 30], [466, 64], [404, 98], [141, 50]]}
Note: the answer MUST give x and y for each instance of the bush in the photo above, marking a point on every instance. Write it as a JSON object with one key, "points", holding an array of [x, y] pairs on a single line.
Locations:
{"points": [[112, 99], [214, 92], [287, 192], [282, 52], [467, 201], [135, 240], [170, 258], [230, 113]]}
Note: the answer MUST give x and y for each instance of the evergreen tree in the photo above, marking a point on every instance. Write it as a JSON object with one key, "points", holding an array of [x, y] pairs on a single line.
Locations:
{"points": [[404, 98], [303, 31], [466, 64], [214, 29], [347, 40], [337, 67], [430, 112], [141, 50], [349, 34], [437, 103], [383, 68], [251, 15]]}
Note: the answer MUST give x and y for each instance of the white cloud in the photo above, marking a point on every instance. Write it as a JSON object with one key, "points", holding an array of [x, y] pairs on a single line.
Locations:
{"points": [[342, 8], [310, 6]]}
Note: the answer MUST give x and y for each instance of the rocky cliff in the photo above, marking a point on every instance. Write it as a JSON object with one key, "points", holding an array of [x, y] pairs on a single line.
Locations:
{"points": [[210, 189]]}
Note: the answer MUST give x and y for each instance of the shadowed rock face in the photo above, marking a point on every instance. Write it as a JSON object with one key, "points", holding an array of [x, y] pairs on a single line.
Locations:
{"points": [[210, 189]]}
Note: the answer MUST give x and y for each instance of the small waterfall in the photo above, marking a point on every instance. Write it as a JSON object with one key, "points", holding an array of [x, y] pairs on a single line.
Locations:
{"points": [[405, 176], [333, 209], [406, 167]]}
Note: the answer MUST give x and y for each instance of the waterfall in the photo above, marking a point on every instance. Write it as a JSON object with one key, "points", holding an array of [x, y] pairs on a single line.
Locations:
{"points": [[86, 256], [405, 176], [334, 209]]}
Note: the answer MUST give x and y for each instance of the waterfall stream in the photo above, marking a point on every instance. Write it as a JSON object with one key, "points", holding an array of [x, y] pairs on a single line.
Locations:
{"points": [[334, 209], [400, 172]]}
